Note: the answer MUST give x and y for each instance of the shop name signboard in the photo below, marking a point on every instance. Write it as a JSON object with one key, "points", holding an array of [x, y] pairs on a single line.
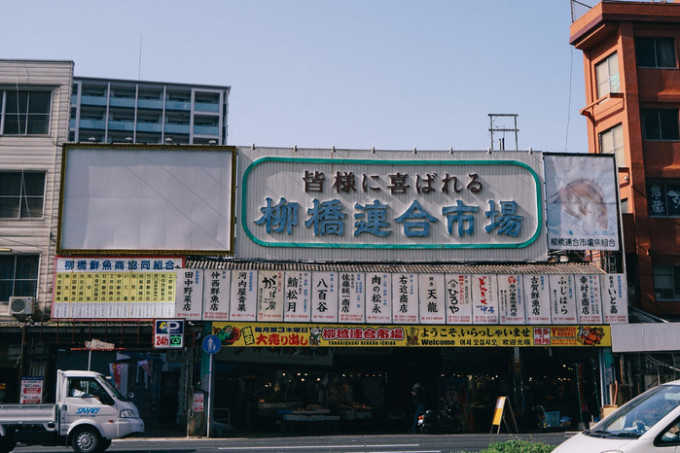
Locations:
{"points": [[115, 288], [339, 335], [402, 298], [354, 205]]}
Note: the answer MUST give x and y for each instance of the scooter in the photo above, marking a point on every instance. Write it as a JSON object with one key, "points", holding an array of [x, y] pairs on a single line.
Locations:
{"points": [[445, 419]]}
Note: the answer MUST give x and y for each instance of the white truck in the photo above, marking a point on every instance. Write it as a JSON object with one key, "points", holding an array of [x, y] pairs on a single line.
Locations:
{"points": [[88, 413]]}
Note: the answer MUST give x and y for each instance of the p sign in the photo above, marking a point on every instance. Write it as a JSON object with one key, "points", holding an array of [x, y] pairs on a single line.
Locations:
{"points": [[168, 334]]}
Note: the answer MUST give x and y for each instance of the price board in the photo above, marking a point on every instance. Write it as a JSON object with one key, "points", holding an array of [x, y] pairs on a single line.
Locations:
{"points": [[168, 334]]}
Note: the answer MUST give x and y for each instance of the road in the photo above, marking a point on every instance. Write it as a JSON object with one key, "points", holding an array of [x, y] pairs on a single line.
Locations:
{"points": [[373, 443]]}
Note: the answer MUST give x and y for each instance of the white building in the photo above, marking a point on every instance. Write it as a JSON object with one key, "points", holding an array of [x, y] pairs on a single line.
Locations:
{"points": [[34, 113]]}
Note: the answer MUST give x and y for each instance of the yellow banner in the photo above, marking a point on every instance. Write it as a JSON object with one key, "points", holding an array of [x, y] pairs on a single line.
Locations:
{"points": [[256, 334]]}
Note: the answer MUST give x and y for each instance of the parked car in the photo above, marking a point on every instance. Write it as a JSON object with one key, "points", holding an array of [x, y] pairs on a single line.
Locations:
{"points": [[648, 423]]}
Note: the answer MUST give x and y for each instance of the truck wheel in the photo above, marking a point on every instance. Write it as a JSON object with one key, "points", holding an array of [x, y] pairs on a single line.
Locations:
{"points": [[7, 444], [86, 440]]}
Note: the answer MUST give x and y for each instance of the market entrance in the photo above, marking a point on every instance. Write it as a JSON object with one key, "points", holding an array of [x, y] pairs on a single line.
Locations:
{"points": [[352, 389]]}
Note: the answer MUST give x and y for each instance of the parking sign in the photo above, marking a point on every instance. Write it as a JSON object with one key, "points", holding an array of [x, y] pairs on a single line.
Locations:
{"points": [[168, 334]]}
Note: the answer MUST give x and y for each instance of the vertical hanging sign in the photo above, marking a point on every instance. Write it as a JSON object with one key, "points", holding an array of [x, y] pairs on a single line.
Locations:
{"points": [[216, 294], [484, 299], [615, 298], [404, 299], [588, 304], [458, 299], [537, 299], [189, 295], [243, 300], [351, 303], [270, 296], [562, 300], [324, 297], [432, 298], [378, 298], [511, 299], [296, 297]]}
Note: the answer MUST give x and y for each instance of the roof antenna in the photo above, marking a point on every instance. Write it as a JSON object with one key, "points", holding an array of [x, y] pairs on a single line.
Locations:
{"points": [[139, 67]]}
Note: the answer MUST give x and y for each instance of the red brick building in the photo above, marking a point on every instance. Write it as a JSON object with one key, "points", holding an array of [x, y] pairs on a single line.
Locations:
{"points": [[632, 81]]}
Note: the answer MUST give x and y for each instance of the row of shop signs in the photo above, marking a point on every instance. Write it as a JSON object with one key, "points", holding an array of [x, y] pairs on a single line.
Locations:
{"points": [[400, 298], [343, 297]]}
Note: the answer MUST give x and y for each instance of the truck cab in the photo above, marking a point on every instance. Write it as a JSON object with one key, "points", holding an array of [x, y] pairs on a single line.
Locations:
{"points": [[87, 399], [88, 413]]}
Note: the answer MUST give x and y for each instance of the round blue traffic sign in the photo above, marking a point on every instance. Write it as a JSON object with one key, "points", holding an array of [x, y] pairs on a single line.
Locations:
{"points": [[211, 344]]}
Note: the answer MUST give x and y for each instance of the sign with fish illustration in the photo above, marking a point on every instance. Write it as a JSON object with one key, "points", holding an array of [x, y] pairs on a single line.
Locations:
{"points": [[581, 196]]}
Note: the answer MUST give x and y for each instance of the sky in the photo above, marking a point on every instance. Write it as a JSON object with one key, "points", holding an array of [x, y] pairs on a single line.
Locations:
{"points": [[354, 74]]}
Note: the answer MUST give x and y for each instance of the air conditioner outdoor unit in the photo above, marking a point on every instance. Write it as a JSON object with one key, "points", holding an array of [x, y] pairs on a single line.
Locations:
{"points": [[21, 305]]}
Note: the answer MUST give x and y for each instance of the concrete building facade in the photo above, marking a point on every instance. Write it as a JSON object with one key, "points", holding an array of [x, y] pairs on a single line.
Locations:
{"points": [[126, 111]]}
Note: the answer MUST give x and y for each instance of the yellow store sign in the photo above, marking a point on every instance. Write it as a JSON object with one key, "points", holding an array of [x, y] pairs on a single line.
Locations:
{"points": [[243, 334]]}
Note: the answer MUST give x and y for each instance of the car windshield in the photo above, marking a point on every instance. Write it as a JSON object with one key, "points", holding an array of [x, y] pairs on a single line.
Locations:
{"points": [[112, 389], [640, 414]]}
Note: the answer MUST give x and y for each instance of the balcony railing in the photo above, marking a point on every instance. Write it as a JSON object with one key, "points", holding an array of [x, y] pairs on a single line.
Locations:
{"points": [[121, 125], [92, 100], [207, 107], [176, 128], [206, 130], [155, 104], [92, 124]]}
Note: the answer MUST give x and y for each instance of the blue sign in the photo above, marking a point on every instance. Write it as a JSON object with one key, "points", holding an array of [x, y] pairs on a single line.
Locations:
{"points": [[211, 344]]}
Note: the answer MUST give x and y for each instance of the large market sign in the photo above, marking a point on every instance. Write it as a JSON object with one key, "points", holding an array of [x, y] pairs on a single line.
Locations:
{"points": [[305, 335], [359, 205]]}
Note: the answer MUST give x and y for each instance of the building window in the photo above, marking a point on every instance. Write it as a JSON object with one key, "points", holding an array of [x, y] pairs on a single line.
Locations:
{"points": [[666, 281], [664, 198], [655, 52], [22, 194], [607, 75], [659, 124], [611, 142], [25, 112], [625, 208], [18, 276]]}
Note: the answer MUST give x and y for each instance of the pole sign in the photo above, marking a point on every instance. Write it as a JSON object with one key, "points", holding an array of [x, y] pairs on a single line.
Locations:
{"points": [[211, 344], [168, 334]]}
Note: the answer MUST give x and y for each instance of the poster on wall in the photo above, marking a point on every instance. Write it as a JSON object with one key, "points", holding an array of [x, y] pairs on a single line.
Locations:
{"points": [[458, 298], [484, 299], [581, 194], [189, 299], [432, 299], [351, 303], [296, 296], [378, 298], [216, 287], [537, 299], [270, 296], [324, 297], [615, 298], [31, 391], [404, 298], [563, 299], [243, 300], [588, 303], [115, 287], [511, 299]]}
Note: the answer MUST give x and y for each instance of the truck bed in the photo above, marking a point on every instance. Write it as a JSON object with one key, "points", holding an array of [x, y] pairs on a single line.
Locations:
{"points": [[27, 414]]}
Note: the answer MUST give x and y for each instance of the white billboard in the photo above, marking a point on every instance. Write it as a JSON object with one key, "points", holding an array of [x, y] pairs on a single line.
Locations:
{"points": [[146, 199]]}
